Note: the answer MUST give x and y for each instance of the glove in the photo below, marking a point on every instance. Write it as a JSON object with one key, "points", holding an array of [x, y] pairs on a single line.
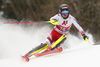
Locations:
{"points": [[86, 38], [54, 22]]}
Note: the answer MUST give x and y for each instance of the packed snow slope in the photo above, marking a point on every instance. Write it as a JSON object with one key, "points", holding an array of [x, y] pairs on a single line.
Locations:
{"points": [[18, 39], [84, 57]]}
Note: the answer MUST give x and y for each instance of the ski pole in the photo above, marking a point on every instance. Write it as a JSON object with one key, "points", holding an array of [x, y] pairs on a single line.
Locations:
{"points": [[26, 22], [90, 43], [20, 22]]}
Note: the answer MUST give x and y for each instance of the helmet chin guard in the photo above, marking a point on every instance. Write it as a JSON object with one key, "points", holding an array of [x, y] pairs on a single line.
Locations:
{"points": [[65, 17]]}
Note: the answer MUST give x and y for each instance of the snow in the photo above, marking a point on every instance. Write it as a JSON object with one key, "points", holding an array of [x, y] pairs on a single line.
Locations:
{"points": [[16, 40], [84, 57]]}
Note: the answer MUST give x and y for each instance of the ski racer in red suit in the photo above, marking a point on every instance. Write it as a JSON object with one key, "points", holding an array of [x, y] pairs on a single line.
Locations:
{"points": [[63, 22]]}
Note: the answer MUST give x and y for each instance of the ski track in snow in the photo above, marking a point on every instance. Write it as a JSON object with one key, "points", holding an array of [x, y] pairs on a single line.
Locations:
{"points": [[16, 40]]}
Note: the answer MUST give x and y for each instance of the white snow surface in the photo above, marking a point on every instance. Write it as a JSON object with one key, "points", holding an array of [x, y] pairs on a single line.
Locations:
{"points": [[16, 40]]}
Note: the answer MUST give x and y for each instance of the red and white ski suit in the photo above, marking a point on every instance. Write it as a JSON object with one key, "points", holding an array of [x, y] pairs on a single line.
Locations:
{"points": [[62, 27]]}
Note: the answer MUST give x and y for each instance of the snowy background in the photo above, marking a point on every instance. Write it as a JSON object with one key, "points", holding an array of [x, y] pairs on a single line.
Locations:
{"points": [[16, 40]]}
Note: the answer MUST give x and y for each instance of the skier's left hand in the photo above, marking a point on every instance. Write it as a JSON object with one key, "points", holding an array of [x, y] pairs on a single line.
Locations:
{"points": [[86, 38]]}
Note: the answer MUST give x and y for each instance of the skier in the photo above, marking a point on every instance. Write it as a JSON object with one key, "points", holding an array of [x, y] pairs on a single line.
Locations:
{"points": [[63, 22]]}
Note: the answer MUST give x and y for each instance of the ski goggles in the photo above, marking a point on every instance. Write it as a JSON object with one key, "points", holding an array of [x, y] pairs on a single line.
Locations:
{"points": [[64, 12]]}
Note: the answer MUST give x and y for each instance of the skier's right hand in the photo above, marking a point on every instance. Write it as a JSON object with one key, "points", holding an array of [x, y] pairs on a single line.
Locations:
{"points": [[54, 22]]}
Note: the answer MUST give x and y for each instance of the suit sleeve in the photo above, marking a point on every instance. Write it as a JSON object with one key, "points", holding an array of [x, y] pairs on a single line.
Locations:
{"points": [[54, 17], [79, 28]]}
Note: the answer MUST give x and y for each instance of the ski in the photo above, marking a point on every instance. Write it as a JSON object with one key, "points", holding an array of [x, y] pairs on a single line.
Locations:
{"points": [[25, 59], [57, 50], [49, 52]]}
